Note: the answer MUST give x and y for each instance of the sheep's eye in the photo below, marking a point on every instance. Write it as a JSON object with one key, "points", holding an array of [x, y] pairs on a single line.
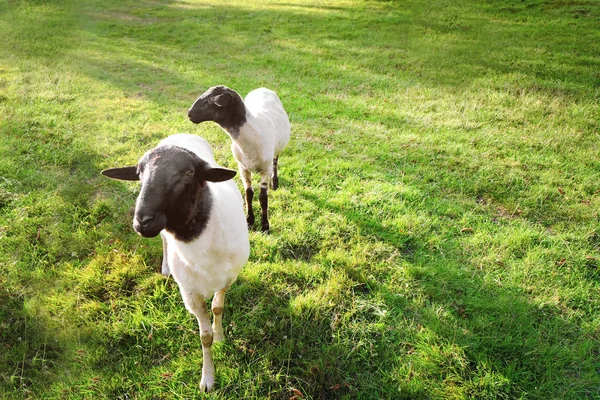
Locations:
{"points": [[189, 172]]}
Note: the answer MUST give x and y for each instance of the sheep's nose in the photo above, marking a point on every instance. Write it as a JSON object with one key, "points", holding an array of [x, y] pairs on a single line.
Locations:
{"points": [[148, 225], [146, 220], [190, 113]]}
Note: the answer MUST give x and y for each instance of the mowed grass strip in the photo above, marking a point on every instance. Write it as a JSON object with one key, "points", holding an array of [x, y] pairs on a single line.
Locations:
{"points": [[436, 233]]}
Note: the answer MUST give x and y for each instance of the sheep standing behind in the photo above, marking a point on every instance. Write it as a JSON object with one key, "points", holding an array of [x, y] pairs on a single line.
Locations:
{"points": [[199, 212], [259, 128]]}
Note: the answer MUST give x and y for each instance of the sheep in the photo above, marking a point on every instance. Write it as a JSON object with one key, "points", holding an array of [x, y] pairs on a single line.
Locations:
{"points": [[259, 129], [199, 212]]}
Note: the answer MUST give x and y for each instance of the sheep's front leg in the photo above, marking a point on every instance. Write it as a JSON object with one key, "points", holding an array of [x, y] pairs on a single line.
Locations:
{"points": [[218, 304], [197, 305], [264, 201], [165, 270], [247, 181]]}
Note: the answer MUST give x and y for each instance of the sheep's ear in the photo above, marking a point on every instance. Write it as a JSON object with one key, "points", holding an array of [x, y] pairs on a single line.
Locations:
{"points": [[222, 100], [219, 174], [122, 174]]}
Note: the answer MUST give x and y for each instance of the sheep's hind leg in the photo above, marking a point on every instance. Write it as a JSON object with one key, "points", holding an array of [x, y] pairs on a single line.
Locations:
{"points": [[196, 304], [218, 304], [264, 201], [247, 181], [275, 181]]}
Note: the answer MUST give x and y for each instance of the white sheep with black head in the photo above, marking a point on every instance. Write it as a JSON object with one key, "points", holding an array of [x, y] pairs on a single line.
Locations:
{"points": [[259, 128], [198, 211]]}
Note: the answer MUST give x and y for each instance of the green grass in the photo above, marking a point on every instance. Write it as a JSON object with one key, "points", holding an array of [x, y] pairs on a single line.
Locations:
{"points": [[437, 229]]}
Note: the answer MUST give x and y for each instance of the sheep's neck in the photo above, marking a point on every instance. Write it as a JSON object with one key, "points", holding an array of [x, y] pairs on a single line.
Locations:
{"points": [[232, 131], [195, 213], [233, 120]]}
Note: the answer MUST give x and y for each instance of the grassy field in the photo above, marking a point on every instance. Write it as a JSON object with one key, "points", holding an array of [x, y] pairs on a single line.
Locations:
{"points": [[436, 234]]}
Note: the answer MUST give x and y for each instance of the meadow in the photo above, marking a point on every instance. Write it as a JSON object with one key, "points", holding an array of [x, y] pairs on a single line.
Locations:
{"points": [[436, 233]]}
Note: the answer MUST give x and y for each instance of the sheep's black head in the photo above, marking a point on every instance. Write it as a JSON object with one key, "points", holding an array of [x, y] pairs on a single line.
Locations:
{"points": [[173, 192], [221, 105]]}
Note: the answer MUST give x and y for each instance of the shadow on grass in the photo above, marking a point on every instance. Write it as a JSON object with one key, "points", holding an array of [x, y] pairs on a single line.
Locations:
{"points": [[486, 334], [171, 50], [48, 211], [29, 348], [290, 346], [49, 223]]}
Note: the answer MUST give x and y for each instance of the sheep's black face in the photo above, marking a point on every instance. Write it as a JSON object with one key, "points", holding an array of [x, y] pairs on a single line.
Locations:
{"points": [[171, 180], [173, 194], [221, 105], [204, 108]]}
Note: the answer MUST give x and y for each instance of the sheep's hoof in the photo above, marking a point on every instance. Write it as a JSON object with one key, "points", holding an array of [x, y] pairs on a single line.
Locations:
{"points": [[265, 228], [250, 221], [207, 383]]}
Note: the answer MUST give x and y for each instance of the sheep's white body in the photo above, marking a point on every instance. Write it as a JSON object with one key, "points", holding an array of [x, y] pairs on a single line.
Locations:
{"points": [[213, 260], [265, 134]]}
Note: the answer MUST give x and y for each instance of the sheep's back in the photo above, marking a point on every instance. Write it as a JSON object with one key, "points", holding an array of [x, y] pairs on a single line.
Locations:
{"points": [[193, 143], [269, 116]]}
